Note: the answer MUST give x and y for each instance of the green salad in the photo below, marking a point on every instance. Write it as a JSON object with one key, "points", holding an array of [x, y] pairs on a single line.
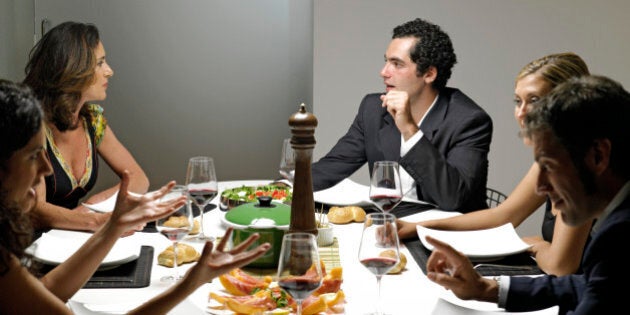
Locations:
{"points": [[250, 193]]}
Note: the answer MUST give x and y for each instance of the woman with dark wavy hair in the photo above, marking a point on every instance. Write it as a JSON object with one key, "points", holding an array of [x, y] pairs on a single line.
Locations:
{"points": [[20, 121], [67, 70], [23, 162]]}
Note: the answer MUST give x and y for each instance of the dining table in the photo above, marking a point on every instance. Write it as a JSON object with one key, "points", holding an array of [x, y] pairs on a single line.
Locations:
{"points": [[409, 292]]}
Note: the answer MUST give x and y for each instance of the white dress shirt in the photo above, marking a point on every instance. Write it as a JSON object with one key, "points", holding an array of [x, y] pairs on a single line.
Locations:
{"points": [[407, 182]]}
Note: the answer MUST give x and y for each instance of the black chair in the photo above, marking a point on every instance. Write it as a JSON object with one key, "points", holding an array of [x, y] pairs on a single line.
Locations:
{"points": [[494, 197]]}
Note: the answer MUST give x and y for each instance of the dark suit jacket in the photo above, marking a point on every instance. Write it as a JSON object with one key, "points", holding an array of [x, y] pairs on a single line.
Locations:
{"points": [[601, 289], [449, 163]]}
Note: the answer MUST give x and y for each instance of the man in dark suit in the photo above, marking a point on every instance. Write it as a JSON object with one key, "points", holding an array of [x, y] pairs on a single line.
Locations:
{"points": [[581, 139], [439, 136]]}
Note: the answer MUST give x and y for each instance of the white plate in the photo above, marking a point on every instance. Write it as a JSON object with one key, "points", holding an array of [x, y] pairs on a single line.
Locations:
{"points": [[345, 193], [56, 246], [106, 205], [482, 308], [478, 245], [350, 193], [431, 214]]}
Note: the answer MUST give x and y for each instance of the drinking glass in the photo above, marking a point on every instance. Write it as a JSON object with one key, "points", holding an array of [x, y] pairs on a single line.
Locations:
{"points": [[379, 251], [201, 180], [287, 161], [385, 185], [299, 269], [176, 226]]}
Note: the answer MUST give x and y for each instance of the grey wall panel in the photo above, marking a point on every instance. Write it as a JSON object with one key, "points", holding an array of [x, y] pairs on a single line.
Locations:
{"points": [[492, 39], [217, 78]]}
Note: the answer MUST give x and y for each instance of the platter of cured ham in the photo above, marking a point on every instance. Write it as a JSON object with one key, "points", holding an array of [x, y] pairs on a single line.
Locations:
{"points": [[245, 293]]}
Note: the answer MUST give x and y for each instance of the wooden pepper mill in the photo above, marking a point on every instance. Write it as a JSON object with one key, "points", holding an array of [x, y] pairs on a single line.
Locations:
{"points": [[303, 125]]}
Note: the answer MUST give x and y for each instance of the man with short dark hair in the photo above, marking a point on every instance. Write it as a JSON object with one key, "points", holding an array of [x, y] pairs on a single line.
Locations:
{"points": [[581, 140], [438, 135]]}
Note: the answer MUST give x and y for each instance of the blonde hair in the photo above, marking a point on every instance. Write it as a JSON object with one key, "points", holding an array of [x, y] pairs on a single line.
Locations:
{"points": [[555, 68]]}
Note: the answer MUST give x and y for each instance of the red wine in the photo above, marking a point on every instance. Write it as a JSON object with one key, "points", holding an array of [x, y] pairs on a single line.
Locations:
{"points": [[379, 265], [386, 202], [299, 288], [174, 234], [202, 196]]}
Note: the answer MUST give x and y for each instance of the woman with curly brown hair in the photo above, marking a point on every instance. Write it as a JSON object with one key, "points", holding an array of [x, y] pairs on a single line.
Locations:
{"points": [[67, 70]]}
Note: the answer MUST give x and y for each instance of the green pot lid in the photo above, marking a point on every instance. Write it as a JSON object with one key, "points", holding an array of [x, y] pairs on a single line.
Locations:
{"points": [[264, 214]]}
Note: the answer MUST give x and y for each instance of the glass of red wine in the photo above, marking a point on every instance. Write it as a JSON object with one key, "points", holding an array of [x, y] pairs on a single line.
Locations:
{"points": [[299, 268], [176, 226], [385, 185], [379, 251], [201, 180]]}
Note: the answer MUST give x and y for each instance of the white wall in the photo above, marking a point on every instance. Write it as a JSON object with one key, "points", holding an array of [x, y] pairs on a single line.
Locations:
{"points": [[492, 39], [16, 35]]}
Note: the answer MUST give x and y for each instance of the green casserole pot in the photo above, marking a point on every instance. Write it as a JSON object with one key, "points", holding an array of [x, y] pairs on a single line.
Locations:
{"points": [[269, 219]]}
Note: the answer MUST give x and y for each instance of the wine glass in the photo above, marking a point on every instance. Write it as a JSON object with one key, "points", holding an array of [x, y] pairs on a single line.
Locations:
{"points": [[299, 269], [379, 251], [385, 186], [176, 225], [201, 180], [287, 161]]}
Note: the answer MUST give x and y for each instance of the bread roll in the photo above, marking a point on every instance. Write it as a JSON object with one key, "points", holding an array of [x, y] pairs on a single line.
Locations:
{"points": [[185, 254], [176, 221], [342, 215], [195, 228], [358, 214], [182, 221]]}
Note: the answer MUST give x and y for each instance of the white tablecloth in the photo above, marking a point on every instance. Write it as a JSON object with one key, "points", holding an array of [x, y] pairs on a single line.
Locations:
{"points": [[407, 293]]}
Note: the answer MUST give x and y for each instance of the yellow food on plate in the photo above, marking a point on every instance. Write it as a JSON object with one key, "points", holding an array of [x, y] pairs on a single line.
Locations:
{"points": [[185, 254], [334, 301], [400, 266], [342, 215], [266, 297], [314, 305]]}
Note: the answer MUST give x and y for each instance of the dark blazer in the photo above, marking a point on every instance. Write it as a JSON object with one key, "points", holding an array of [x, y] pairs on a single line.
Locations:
{"points": [[601, 289], [449, 163]]}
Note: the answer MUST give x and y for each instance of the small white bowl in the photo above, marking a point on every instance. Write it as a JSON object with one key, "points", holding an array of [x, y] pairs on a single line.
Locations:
{"points": [[325, 235]]}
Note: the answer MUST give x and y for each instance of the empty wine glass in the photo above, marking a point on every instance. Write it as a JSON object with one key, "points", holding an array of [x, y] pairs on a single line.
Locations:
{"points": [[379, 251], [385, 185], [299, 269], [176, 226], [201, 180], [287, 161]]}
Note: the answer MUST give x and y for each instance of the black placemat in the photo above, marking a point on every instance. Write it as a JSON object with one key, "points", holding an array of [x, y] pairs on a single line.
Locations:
{"points": [[404, 209], [207, 208], [512, 265], [134, 274]]}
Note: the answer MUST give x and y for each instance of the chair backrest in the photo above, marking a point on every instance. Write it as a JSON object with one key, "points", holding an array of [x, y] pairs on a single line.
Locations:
{"points": [[494, 197]]}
